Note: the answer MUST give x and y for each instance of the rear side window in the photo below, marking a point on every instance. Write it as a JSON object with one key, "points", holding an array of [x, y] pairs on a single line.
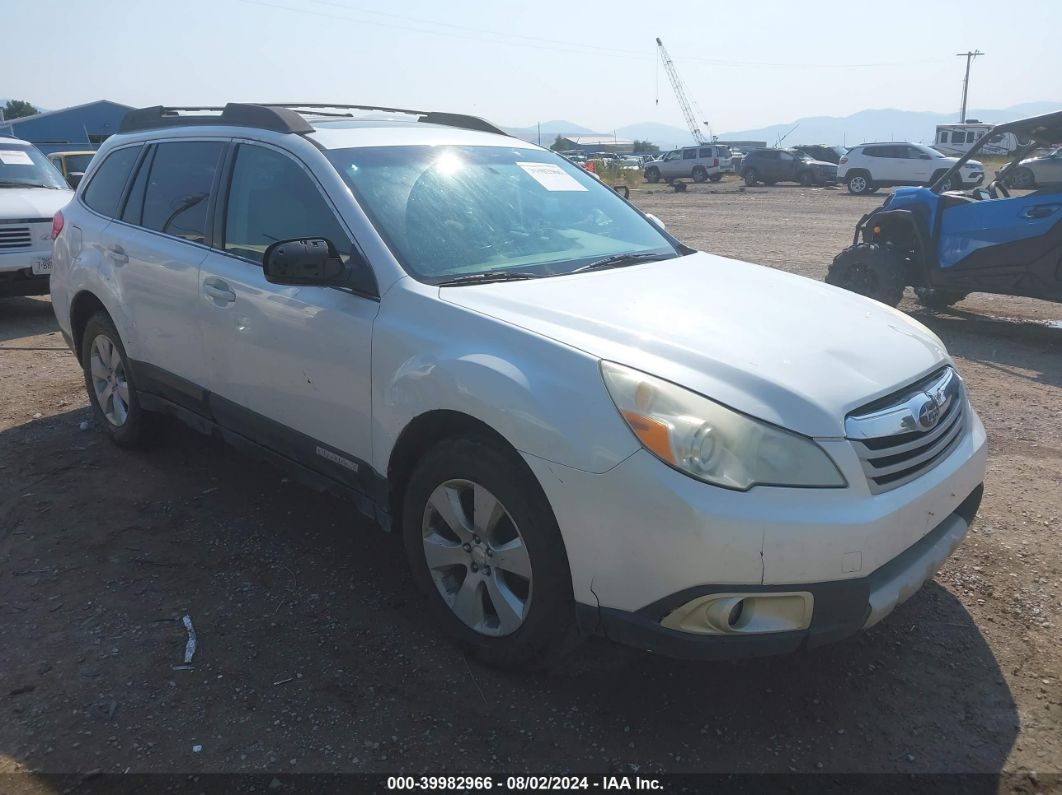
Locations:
{"points": [[178, 188], [705, 153], [272, 198], [689, 154], [104, 192]]}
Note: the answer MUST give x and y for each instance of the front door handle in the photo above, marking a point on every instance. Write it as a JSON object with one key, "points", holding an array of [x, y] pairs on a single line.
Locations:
{"points": [[1040, 211], [219, 291], [118, 255]]}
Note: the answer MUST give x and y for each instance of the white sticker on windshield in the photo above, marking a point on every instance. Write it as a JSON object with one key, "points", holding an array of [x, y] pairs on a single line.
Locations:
{"points": [[551, 177], [14, 157]]}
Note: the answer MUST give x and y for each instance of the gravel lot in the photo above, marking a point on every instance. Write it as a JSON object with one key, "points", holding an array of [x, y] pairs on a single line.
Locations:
{"points": [[315, 654]]}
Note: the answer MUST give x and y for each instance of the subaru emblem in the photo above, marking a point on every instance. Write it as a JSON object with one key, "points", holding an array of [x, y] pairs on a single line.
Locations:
{"points": [[928, 413]]}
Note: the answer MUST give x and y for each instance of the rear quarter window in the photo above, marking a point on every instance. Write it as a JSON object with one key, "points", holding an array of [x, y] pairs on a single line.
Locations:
{"points": [[179, 186], [104, 192]]}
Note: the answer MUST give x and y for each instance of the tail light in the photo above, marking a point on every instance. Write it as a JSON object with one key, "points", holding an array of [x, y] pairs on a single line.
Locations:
{"points": [[844, 160], [57, 224], [715, 162]]}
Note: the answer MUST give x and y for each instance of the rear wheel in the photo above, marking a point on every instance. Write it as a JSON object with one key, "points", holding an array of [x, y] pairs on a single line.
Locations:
{"points": [[869, 269], [485, 548], [111, 388], [715, 177], [699, 174], [751, 177], [652, 175], [933, 298], [859, 184]]}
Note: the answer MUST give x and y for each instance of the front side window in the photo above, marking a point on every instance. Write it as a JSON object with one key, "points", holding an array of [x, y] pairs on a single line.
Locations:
{"points": [[104, 192], [23, 166], [449, 211], [178, 188], [673, 155], [272, 198]]}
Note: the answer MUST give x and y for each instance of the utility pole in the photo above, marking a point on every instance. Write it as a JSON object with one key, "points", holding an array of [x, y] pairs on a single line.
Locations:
{"points": [[969, 56]]}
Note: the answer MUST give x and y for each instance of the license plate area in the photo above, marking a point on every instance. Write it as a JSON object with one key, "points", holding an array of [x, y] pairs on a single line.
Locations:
{"points": [[42, 266]]}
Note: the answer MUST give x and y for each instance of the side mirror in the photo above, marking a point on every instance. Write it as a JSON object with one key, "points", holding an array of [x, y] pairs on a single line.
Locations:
{"points": [[656, 221], [314, 261], [73, 179]]}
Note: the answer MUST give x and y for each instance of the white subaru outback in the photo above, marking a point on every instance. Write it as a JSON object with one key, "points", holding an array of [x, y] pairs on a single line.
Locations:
{"points": [[577, 424]]}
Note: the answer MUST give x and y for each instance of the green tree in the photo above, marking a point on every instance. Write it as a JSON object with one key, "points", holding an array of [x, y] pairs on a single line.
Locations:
{"points": [[645, 148], [17, 108], [558, 144]]}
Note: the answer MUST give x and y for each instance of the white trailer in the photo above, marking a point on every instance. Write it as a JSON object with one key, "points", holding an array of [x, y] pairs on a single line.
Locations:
{"points": [[958, 139]]}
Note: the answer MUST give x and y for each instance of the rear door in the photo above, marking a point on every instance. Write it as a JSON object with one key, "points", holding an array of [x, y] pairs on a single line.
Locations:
{"points": [[289, 366], [155, 248]]}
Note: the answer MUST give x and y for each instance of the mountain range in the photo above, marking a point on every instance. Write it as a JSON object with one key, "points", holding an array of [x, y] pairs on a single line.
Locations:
{"points": [[867, 125]]}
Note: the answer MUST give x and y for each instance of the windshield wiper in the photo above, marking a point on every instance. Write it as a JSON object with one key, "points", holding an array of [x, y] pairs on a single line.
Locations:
{"points": [[10, 184], [619, 260], [487, 277]]}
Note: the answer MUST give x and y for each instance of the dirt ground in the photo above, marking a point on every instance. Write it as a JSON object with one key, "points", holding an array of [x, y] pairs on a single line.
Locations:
{"points": [[315, 654]]}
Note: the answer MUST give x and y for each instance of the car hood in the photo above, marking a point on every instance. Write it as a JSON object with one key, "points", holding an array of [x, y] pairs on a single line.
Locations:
{"points": [[821, 164], [784, 348], [24, 203]]}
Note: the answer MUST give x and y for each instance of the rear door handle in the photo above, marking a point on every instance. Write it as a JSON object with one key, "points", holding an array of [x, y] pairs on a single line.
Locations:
{"points": [[1040, 211], [219, 291], [118, 255]]}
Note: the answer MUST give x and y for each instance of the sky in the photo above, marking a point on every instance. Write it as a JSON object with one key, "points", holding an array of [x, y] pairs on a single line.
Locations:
{"points": [[594, 64]]}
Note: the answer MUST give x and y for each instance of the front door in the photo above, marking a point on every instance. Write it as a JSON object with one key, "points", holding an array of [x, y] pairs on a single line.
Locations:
{"points": [[289, 366], [1005, 245]]}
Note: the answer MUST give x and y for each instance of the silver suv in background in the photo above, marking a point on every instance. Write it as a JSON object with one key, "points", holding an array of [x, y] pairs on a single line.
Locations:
{"points": [[867, 167], [559, 407], [699, 163]]}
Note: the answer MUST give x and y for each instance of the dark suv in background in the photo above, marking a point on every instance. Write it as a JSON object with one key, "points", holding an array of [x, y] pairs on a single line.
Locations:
{"points": [[785, 165], [827, 154]]}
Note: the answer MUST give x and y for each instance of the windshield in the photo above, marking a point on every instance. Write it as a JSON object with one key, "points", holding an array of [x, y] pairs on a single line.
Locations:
{"points": [[449, 211], [23, 166]]}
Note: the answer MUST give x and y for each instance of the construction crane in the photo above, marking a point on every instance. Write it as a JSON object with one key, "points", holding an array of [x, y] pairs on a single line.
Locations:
{"points": [[680, 94]]}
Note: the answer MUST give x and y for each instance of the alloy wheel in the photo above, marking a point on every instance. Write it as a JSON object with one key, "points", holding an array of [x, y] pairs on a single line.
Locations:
{"points": [[109, 382], [857, 184], [477, 558]]}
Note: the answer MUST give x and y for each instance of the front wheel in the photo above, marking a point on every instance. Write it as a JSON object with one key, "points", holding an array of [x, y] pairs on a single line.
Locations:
{"points": [[806, 180], [1023, 179], [751, 177], [859, 184], [652, 175], [933, 298], [869, 269], [485, 548], [111, 388]]}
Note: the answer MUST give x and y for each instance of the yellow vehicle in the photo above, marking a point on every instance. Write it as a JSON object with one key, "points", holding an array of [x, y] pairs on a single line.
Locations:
{"points": [[71, 165]]}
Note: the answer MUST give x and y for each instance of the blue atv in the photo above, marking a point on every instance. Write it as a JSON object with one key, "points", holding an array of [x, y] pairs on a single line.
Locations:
{"points": [[947, 244]]}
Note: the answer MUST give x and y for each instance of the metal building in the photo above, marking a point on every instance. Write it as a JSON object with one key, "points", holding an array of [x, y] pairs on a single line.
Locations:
{"points": [[78, 127]]}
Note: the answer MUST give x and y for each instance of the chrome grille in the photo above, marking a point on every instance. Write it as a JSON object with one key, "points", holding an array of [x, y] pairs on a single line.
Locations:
{"points": [[15, 237], [901, 436]]}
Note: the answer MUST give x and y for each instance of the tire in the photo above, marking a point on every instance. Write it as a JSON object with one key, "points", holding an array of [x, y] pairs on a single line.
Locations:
{"points": [[539, 625], [806, 180], [699, 174], [751, 177], [1023, 178], [652, 175], [859, 184], [871, 270], [938, 299], [111, 386], [715, 177]]}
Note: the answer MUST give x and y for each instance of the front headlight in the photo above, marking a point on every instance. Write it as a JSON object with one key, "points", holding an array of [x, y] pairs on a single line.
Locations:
{"points": [[711, 442]]}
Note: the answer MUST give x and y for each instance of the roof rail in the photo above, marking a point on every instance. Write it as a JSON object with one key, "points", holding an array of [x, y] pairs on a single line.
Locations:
{"points": [[234, 114], [286, 117], [461, 120]]}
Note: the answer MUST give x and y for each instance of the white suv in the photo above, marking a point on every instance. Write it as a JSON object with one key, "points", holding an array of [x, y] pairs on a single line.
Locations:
{"points": [[562, 409], [31, 190], [867, 167], [699, 163]]}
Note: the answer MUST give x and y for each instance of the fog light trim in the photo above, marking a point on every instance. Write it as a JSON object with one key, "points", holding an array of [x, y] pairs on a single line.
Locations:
{"points": [[744, 613]]}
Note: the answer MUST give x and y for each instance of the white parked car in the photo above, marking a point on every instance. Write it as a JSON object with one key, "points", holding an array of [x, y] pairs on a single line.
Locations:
{"points": [[561, 408], [867, 167], [698, 163], [31, 190]]}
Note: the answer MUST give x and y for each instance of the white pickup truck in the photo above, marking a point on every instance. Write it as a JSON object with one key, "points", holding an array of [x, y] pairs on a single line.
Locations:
{"points": [[31, 191]]}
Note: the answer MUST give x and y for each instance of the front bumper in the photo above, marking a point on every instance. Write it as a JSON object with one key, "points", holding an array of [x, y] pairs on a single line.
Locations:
{"points": [[841, 608]]}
